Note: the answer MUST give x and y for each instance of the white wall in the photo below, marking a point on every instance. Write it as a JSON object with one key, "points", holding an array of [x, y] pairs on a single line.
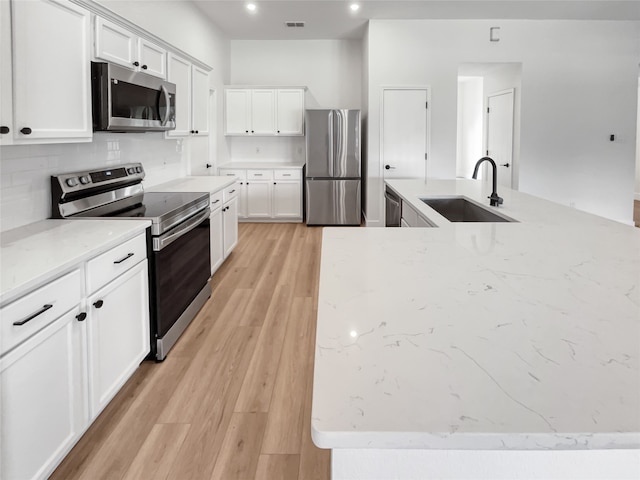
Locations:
{"points": [[637, 195], [25, 170], [470, 125], [579, 84], [330, 69]]}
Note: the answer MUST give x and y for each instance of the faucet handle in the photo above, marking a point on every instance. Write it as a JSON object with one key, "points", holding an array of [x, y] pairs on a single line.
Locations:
{"points": [[495, 200]]}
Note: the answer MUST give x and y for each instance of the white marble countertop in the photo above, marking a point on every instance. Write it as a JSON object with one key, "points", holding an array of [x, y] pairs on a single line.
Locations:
{"points": [[35, 254], [208, 184], [479, 335], [258, 165]]}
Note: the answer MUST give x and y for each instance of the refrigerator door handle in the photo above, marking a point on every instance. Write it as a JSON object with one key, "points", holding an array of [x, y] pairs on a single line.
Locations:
{"points": [[331, 144]]}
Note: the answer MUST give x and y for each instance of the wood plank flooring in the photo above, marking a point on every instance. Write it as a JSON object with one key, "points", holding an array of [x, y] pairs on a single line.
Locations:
{"points": [[232, 400]]}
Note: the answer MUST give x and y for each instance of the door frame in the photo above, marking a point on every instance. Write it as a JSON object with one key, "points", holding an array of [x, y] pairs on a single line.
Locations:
{"points": [[383, 88], [512, 91]]}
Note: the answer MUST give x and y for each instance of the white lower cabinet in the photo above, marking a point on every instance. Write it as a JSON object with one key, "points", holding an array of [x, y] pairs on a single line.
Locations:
{"points": [[286, 199], [268, 194], [230, 219], [43, 399], [258, 199], [64, 355], [217, 238], [118, 329]]}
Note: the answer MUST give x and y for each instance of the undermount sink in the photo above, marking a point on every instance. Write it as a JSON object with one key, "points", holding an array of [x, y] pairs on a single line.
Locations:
{"points": [[461, 209]]}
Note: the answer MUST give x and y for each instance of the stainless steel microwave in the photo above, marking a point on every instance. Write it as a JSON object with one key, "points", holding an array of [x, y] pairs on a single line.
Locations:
{"points": [[128, 101]]}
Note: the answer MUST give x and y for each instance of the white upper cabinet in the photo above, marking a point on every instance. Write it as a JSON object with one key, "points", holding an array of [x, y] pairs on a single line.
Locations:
{"points": [[51, 91], [199, 101], [179, 72], [6, 102], [120, 46], [237, 111], [264, 111], [290, 110], [192, 97]]}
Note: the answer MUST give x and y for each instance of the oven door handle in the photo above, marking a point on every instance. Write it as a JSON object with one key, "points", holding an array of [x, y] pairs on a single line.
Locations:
{"points": [[167, 239]]}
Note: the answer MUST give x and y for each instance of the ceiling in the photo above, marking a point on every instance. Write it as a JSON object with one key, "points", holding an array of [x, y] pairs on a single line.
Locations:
{"points": [[333, 19]]}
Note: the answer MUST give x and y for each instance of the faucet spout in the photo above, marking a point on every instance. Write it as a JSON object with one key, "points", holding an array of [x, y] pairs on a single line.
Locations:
{"points": [[494, 199]]}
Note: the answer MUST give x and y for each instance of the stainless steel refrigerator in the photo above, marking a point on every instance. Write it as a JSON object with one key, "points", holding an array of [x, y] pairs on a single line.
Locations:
{"points": [[333, 178]]}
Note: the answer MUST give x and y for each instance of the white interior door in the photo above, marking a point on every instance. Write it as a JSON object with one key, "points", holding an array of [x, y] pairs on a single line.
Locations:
{"points": [[404, 133], [500, 134]]}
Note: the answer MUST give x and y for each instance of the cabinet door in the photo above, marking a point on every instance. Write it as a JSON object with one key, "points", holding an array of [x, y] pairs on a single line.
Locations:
{"points": [[258, 199], [118, 328], [287, 199], [200, 101], [230, 212], [237, 111], [6, 100], [179, 72], [152, 59], [43, 393], [52, 92], [242, 199], [290, 110], [263, 109], [217, 239], [115, 44]]}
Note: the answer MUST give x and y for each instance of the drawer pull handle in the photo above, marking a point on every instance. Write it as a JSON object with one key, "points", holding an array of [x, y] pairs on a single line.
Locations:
{"points": [[232, 191], [257, 174], [81, 317], [129, 255], [98, 304], [286, 174], [215, 202], [34, 315]]}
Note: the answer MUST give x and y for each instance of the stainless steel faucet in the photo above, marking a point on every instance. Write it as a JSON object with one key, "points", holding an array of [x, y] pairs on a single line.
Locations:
{"points": [[494, 199]]}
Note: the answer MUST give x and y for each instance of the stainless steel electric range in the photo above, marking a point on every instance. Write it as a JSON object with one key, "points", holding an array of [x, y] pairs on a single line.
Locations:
{"points": [[177, 241]]}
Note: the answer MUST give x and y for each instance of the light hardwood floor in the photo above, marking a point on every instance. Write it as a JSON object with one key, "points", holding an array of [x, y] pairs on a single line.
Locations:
{"points": [[232, 400]]}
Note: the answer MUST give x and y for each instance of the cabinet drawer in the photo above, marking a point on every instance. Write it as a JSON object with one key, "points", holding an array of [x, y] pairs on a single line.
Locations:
{"points": [[293, 174], [409, 215], [38, 309], [215, 200], [259, 174], [239, 174], [104, 268], [230, 192]]}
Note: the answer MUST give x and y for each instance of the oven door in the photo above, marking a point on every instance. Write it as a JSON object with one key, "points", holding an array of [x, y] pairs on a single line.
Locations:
{"points": [[181, 268]]}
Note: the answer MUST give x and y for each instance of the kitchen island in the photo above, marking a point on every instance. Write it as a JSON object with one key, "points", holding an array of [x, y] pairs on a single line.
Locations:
{"points": [[480, 350]]}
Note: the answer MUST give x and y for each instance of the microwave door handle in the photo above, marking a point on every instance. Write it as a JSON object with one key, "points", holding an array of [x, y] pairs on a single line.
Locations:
{"points": [[167, 101]]}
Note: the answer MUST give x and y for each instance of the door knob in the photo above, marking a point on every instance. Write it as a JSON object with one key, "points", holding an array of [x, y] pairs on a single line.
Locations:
{"points": [[389, 167], [505, 165]]}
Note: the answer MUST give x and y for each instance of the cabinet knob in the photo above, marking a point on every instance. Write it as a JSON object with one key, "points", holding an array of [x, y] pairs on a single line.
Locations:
{"points": [[278, 131], [25, 131], [136, 64], [98, 304], [4, 130], [81, 317], [246, 131], [252, 131], [209, 165], [197, 131], [274, 183], [144, 67]]}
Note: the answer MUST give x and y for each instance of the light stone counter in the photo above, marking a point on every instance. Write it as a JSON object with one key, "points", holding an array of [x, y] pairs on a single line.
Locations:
{"points": [[33, 255], [208, 184], [258, 165], [494, 336]]}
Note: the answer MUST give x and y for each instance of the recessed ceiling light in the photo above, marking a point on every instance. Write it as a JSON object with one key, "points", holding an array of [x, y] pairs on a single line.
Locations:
{"points": [[251, 7], [354, 7]]}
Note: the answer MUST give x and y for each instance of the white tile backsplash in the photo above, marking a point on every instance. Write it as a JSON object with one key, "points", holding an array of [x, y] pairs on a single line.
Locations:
{"points": [[25, 169]]}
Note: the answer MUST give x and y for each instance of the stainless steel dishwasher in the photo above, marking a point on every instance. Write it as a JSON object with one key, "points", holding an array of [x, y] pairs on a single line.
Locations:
{"points": [[392, 208]]}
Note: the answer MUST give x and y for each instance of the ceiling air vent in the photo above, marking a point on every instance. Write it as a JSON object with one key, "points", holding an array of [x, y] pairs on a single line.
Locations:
{"points": [[294, 24]]}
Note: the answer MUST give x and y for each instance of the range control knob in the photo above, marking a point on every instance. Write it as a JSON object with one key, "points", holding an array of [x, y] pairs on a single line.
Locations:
{"points": [[139, 169], [72, 182], [85, 179], [131, 170]]}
